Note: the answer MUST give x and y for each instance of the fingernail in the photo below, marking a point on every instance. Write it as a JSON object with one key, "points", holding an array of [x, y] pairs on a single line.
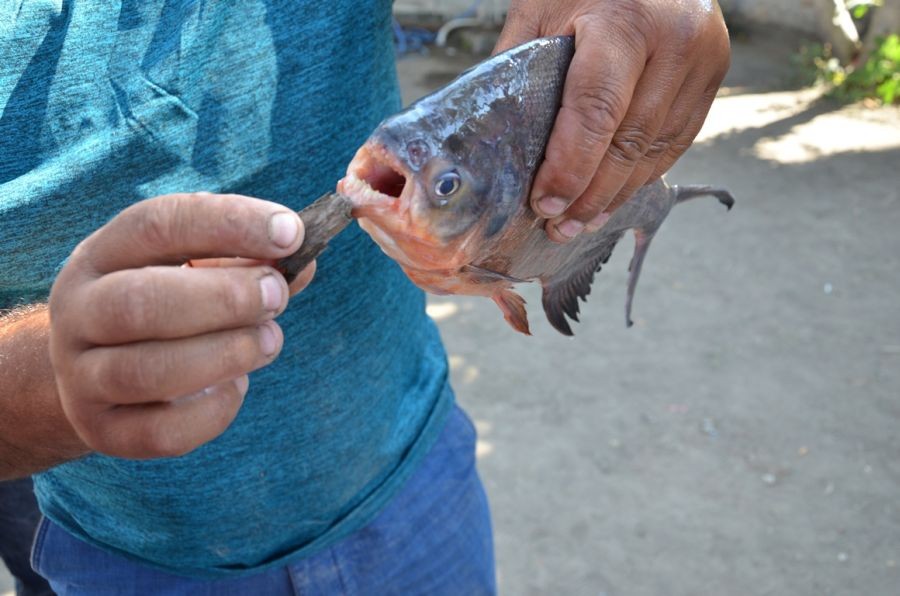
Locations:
{"points": [[552, 206], [242, 383], [570, 228], [268, 340], [598, 222], [284, 229], [271, 293]]}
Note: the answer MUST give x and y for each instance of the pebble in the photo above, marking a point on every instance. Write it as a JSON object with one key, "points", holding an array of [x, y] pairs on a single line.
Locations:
{"points": [[843, 557], [769, 479]]}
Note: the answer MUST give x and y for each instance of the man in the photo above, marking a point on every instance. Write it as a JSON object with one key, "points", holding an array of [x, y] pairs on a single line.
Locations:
{"points": [[341, 464]]}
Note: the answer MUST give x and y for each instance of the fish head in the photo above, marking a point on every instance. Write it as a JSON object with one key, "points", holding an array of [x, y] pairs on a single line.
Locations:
{"points": [[436, 184]]}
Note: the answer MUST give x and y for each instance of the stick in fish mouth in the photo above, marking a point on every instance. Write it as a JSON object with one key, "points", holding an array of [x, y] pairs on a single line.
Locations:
{"points": [[322, 220]]}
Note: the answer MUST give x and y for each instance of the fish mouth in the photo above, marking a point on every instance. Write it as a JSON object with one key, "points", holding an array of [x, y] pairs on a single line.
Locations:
{"points": [[374, 177]]}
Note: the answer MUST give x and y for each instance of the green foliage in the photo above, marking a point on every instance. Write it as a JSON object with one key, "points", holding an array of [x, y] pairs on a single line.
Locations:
{"points": [[860, 8], [877, 77]]}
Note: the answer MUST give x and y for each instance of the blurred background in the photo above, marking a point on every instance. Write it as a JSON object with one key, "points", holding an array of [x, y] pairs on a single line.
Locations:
{"points": [[743, 438]]}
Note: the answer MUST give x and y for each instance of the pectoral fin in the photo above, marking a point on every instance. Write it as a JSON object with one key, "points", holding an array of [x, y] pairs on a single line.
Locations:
{"points": [[513, 307], [486, 276]]}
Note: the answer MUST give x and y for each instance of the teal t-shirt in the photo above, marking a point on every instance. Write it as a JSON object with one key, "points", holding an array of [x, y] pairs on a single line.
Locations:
{"points": [[104, 103]]}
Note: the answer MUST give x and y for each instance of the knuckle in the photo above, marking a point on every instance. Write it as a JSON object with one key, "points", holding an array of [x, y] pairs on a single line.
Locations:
{"points": [[630, 144], [160, 224], [133, 307], [680, 146], [98, 430], [599, 108], [660, 146], [240, 353], [234, 219], [238, 296], [125, 374]]}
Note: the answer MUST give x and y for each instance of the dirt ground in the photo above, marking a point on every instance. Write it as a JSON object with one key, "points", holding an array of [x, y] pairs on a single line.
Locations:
{"points": [[743, 437]]}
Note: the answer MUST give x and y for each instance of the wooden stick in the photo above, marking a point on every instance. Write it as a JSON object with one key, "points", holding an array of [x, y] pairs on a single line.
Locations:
{"points": [[322, 220]]}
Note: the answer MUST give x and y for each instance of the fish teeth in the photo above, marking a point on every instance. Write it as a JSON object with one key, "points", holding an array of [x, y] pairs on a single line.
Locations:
{"points": [[360, 189]]}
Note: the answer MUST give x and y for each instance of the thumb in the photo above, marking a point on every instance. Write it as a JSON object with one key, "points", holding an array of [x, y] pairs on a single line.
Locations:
{"points": [[521, 25]]}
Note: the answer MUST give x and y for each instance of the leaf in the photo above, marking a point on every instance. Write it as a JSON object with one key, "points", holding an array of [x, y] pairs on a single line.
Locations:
{"points": [[888, 90], [889, 48]]}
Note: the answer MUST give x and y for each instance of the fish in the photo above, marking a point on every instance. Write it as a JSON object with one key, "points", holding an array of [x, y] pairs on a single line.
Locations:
{"points": [[443, 188]]}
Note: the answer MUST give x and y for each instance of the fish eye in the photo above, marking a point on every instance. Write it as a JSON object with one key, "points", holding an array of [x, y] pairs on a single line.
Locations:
{"points": [[447, 183]]}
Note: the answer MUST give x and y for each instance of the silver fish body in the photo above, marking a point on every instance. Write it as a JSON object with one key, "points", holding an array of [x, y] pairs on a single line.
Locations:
{"points": [[443, 187]]}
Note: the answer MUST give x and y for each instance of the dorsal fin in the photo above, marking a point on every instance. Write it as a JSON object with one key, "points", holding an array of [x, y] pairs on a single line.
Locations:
{"points": [[562, 291]]}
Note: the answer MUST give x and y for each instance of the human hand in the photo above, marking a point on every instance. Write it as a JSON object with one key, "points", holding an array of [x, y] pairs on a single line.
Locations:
{"points": [[151, 358], [642, 80]]}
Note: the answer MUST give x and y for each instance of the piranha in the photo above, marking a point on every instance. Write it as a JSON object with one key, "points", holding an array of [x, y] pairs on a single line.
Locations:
{"points": [[443, 188]]}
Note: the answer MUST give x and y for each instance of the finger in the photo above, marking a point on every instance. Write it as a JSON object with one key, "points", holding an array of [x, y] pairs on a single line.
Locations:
{"points": [[225, 262], [520, 26], [172, 302], [154, 371], [167, 429], [303, 279], [695, 120], [655, 92], [599, 87], [299, 284], [666, 150], [668, 140], [174, 228], [683, 123]]}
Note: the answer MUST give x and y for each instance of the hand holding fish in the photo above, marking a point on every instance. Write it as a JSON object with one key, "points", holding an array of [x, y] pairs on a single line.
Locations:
{"points": [[640, 85], [151, 358]]}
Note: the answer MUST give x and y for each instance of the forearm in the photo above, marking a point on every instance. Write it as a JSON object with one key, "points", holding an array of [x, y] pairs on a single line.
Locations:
{"points": [[34, 432]]}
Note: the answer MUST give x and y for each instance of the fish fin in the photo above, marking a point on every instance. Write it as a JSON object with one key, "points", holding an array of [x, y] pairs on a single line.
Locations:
{"points": [[562, 291], [486, 276], [513, 307], [685, 193], [641, 245]]}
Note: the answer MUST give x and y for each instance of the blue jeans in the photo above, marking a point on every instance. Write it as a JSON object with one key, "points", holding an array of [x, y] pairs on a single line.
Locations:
{"points": [[433, 538], [19, 517]]}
